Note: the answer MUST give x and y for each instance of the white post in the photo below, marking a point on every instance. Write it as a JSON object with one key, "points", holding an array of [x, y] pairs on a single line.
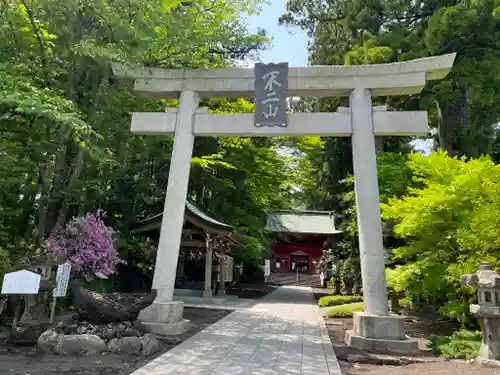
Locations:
{"points": [[165, 316], [208, 269], [222, 276], [371, 249], [175, 200]]}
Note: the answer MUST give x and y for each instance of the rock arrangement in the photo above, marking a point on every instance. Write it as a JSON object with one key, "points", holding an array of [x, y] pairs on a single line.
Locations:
{"points": [[107, 308], [88, 339], [106, 332]]}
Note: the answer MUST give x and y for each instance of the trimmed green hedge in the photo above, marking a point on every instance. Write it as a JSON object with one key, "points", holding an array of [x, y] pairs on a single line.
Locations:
{"points": [[338, 300], [462, 344], [344, 311]]}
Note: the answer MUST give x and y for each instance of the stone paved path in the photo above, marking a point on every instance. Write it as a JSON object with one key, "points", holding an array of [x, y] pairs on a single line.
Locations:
{"points": [[282, 334]]}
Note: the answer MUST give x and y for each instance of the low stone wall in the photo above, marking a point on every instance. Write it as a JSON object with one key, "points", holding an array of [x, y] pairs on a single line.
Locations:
{"points": [[86, 339], [188, 292]]}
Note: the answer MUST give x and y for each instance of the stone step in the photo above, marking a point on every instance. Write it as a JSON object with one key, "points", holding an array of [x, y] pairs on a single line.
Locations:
{"points": [[284, 279]]}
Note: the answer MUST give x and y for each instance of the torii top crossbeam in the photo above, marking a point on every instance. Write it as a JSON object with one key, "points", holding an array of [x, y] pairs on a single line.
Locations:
{"points": [[399, 78]]}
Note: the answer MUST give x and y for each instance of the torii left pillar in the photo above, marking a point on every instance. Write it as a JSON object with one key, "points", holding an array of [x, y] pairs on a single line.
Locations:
{"points": [[165, 316]]}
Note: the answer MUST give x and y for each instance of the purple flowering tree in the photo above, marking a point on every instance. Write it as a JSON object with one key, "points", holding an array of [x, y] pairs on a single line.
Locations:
{"points": [[87, 243]]}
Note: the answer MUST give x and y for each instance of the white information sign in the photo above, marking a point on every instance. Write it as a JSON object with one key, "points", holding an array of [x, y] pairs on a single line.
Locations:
{"points": [[267, 267], [62, 279], [21, 282]]}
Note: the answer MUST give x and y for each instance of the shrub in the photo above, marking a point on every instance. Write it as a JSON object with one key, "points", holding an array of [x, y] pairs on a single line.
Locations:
{"points": [[252, 272], [462, 344], [338, 300], [448, 222], [344, 311], [87, 243], [6, 264], [331, 282]]}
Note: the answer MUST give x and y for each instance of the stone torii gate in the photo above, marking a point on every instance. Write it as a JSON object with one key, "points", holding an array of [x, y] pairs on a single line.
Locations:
{"points": [[373, 329]]}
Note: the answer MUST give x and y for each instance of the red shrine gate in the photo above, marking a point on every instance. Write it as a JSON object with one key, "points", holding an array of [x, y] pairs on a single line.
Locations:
{"points": [[291, 256], [299, 239]]}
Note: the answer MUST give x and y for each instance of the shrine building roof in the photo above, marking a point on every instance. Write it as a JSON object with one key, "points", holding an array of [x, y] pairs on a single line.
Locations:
{"points": [[304, 222], [197, 217]]}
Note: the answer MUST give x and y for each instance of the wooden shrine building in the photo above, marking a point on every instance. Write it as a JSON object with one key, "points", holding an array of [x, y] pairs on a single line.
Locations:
{"points": [[299, 239], [204, 256]]}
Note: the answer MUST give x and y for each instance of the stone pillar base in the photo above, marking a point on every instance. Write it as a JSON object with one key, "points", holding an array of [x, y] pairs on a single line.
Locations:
{"points": [[382, 334], [165, 318], [488, 363], [207, 293]]}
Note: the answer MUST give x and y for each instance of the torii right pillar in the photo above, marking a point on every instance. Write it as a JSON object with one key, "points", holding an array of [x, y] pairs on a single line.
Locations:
{"points": [[375, 329]]}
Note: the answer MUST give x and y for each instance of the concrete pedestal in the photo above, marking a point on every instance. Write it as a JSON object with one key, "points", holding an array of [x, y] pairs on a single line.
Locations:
{"points": [[382, 334], [487, 363], [165, 318], [490, 347]]}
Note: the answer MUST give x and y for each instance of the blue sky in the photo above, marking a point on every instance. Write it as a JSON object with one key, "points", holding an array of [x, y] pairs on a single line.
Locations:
{"points": [[289, 45]]}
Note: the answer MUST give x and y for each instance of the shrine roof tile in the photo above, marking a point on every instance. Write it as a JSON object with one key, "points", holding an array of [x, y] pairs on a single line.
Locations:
{"points": [[191, 209], [310, 222]]}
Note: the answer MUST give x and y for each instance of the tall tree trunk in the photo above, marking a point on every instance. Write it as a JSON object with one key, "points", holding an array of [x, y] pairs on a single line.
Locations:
{"points": [[73, 179], [379, 144], [26, 203], [60, 175], [43, 202], [78, 163], [454, 122]]}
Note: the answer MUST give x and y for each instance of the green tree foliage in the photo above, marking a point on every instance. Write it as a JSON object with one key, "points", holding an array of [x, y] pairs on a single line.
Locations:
{"points": [[242, 179], [394, 179], [461, 344], [464, 106], [65, 142], [450, 222]]}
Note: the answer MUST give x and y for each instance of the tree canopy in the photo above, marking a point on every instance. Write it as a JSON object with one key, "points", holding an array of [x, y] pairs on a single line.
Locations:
{"points": [[66, 144], [463, 107]]}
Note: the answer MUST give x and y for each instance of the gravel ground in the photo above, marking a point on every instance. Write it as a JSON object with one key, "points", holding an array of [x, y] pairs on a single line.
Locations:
{"points": [[418, 329], [250, 291], [438, 368], [26, 361]]}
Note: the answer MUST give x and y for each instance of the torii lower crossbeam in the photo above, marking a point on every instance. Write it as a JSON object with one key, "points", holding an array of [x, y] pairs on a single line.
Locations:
{"points": [[385, 123]]}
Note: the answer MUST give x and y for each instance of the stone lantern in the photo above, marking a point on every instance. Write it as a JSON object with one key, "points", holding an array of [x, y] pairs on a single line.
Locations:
{"points": [[487, 283]]}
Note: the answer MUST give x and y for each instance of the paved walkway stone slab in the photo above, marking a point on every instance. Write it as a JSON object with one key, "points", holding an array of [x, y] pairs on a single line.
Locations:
{"points": [[283, 333]]}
